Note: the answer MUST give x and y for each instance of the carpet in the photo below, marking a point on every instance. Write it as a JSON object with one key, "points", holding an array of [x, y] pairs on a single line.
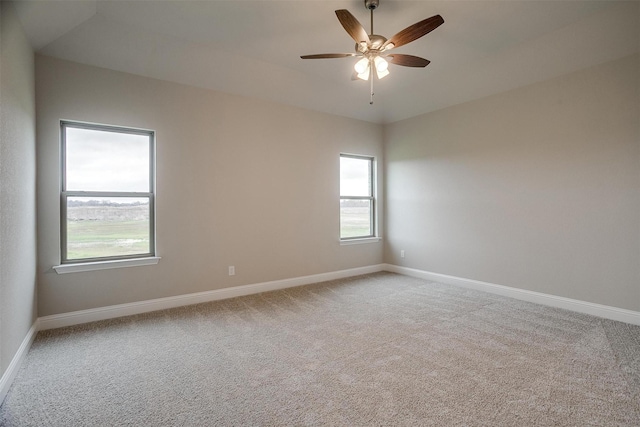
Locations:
{"points": [[378, 349]]}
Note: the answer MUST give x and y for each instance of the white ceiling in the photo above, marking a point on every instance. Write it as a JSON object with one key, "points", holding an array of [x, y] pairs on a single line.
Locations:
{"points": [[253, 48]]}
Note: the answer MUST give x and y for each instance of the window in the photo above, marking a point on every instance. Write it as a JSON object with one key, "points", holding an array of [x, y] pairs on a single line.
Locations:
{"points": [[357, 197], [107, 198]]}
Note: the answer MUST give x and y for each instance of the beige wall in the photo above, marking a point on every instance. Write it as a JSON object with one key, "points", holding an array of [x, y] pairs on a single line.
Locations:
{"points": [[537, 188], [17, 187], [239, 182]]}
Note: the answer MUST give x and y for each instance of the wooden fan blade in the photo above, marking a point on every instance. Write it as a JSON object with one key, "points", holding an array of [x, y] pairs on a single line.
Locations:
{"points": [[408, 60], [328, 55], [415, 31], [352, 26]]}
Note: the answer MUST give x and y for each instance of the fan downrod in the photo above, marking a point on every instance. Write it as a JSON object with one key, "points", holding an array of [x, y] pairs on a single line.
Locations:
{"points": [[371, 5]]}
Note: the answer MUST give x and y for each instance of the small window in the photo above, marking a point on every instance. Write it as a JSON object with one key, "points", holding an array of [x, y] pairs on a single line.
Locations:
{"points": [[357, 197], [107, 198]]}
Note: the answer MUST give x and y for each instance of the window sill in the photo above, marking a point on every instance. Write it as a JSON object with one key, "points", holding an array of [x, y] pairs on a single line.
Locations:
{"points": [[103, 265], [360, 241]]}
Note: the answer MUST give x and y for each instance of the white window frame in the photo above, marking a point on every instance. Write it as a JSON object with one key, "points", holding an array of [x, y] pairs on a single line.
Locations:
{"points": [[97, 263], [372, 198]]}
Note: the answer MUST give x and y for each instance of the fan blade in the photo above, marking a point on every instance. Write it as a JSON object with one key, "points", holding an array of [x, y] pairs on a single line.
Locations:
{"points": [[415, 31], [328, 55], [408, 60], [352, 26]]}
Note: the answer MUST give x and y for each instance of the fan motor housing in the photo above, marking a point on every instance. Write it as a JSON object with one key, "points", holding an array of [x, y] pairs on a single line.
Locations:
{"points": [[376, 42]]}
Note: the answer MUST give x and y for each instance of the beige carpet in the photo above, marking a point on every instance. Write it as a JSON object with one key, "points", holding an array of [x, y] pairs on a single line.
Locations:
{"points": [[379, 349]]}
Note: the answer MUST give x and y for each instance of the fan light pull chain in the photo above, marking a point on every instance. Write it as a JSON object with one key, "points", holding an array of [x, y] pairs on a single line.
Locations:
{"points": [[371, 102]]}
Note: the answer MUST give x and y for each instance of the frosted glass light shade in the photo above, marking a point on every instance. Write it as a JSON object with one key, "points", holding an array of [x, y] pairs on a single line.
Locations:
{"points": [[364, 75], [361, 66], [381, 64], [382, 74]]}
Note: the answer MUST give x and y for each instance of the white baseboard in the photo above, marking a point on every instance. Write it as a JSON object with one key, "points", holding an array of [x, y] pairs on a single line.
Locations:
{"points": [[110, 312], [113, 311], [599, 310], [16, 362]]}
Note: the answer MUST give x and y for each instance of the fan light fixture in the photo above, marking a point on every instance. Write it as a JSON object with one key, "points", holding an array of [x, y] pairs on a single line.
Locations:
{"points": [[373, 49], [364, 65]]}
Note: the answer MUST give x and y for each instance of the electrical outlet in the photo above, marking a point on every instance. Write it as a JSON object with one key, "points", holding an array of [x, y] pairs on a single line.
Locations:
{"points": [[402, 253], [232, 270]]}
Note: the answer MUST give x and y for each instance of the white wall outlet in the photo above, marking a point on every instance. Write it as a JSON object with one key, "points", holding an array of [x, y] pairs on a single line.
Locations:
{"points": [[402, 253], [232, 270]]}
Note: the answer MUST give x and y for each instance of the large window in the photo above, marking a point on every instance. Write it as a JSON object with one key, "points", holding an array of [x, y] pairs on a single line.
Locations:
{"points": [[107, 198], [357, 197]]}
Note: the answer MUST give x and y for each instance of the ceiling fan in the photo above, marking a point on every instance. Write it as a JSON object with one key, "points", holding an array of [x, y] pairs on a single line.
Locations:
{"points": [[373, 49]]}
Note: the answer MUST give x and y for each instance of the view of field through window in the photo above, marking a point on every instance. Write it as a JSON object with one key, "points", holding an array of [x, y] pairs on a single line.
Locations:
{"points": [[107, 193], [355, 218], [356, 197], [101, 227]]}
